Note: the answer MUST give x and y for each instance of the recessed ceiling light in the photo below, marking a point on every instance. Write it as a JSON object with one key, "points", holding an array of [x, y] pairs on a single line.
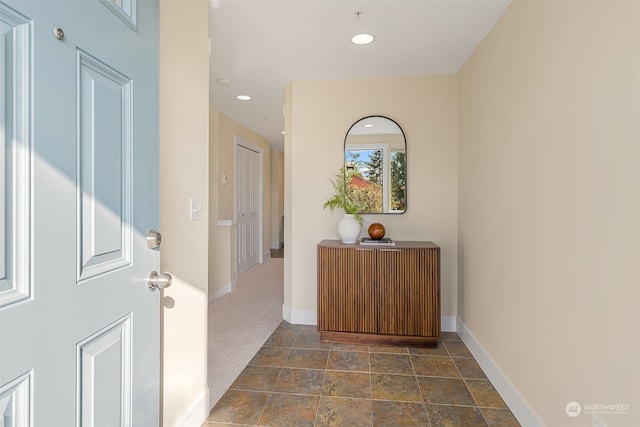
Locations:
{"points": [[243, 97], [362, 38], [223, 82]]}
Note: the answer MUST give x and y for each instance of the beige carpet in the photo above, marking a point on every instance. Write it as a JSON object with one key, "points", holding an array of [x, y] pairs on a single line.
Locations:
{"points": [[240, 322]]}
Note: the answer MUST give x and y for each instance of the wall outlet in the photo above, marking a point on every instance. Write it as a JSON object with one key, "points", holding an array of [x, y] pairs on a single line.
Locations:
{"points": [[597, 422]]}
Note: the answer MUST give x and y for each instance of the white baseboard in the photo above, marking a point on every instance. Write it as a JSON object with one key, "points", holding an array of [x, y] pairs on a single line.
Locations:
{"points": [[512, 397], [228, 288], [299, 317], [197, 413], [448, 324]]}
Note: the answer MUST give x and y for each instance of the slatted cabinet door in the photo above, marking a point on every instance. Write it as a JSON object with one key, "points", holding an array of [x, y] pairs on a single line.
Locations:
{"points": [[407, 287], [346, 290]]}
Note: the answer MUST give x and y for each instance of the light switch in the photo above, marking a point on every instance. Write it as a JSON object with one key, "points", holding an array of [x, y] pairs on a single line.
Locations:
{"points": [[195, 208]]}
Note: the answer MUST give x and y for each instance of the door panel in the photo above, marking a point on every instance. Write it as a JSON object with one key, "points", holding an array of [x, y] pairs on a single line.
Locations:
{"points": [[104, 376], [104, 177], [15, 401], [15, 156], [252, 200], [248, 207], [79, 330], [241, 210]]}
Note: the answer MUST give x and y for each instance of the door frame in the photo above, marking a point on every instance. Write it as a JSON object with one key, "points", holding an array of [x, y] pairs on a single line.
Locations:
{"points": [[239, 141]]}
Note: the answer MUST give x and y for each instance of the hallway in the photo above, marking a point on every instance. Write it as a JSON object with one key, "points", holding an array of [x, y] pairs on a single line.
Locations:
{"points": [[241, 321]]}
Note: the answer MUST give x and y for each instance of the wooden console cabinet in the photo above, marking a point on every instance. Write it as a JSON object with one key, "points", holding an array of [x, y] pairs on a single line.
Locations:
{"points": [[375, 294]]}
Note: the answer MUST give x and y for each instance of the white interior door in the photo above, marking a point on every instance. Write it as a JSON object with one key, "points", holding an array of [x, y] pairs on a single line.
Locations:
{"points": [[79, 330], [248, 182]]}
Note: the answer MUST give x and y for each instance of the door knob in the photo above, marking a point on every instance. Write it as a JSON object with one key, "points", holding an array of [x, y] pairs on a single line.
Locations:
{"points": [[158, 281]]}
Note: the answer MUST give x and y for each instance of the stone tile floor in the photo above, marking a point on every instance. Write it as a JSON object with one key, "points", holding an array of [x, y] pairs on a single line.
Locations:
{"points": [[297, 380]]}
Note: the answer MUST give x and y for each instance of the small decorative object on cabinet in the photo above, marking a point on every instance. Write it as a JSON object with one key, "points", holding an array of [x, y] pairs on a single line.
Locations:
{"points": [[376, 231], [378, 294], [348, 229]]}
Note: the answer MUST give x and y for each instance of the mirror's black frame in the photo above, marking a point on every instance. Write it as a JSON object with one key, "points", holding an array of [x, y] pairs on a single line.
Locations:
{"points": [[404, 138]]}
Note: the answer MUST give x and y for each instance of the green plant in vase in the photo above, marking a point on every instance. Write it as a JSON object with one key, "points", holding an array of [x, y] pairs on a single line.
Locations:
{"points": [[342, 199]]}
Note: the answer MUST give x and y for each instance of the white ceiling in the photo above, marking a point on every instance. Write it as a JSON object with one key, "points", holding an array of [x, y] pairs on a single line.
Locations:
{"points": [[263, 45]]}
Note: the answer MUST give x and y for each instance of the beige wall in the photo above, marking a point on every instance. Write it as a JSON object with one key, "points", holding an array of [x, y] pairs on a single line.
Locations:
{"points": [[288, 202], [277, 198], [318, 116], [549, 204], [222, 194], [184, 66], [221, 243]]}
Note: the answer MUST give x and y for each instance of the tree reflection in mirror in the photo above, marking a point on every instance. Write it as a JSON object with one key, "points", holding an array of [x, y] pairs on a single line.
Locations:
{"points": [[375, 148]]}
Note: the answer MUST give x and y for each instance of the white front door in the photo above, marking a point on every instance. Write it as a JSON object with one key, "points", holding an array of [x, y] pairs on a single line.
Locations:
{"points": [[79, 329], [248, 182]]}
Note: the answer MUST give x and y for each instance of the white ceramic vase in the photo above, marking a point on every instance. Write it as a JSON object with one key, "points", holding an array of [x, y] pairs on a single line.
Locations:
{"points": [[348, 229]]}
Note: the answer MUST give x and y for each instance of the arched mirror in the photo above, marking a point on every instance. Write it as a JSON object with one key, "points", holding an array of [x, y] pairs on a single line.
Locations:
{"points": [[375, 158]]}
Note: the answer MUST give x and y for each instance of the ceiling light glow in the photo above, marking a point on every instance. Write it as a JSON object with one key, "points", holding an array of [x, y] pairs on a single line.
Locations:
{"points": [[243, 97], [362, 39]]}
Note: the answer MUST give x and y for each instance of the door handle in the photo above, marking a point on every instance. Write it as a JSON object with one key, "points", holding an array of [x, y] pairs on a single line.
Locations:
{"points": [[158, 281]]}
